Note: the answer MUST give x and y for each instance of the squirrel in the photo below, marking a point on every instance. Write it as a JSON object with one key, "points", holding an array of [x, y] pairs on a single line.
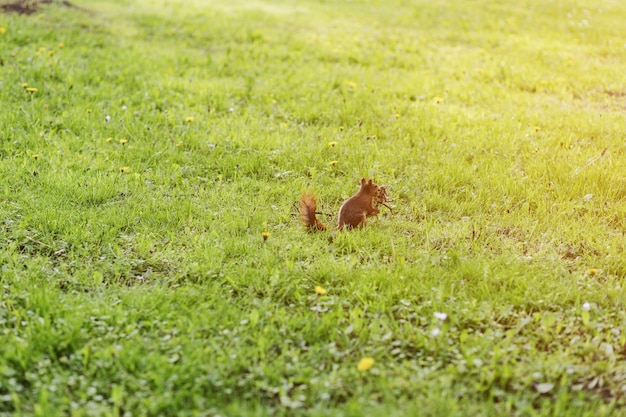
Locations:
{"points": [[354, 211]]}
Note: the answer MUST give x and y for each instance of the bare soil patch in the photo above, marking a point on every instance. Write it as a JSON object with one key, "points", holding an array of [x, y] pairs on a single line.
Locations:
{"points": [[31, 6]]}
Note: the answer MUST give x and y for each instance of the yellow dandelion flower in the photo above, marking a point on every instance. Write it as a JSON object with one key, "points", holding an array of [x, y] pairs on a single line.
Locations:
{"points": [[592, 271], [108, 140], [320, 290], [189, 119], [14, 53], [266, 235], [178, 145], [31, 89], [42, 49], [24, 85], [35, 156], [332, 163], [123, 141], [332, 144], [537, 128], [397, 115], [341, 128], [61, 45], [438, 100], [365, 364], [88, 110], [511, 22], [2, 30], [124, 169], [351, 84], [51, 53]]}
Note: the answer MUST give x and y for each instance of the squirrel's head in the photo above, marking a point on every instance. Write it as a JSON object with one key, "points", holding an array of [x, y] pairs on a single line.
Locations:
{"points": [[368, 186]]}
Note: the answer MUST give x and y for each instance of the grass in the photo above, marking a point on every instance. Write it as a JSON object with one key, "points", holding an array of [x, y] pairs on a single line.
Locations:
{"points": [[159, 141]]}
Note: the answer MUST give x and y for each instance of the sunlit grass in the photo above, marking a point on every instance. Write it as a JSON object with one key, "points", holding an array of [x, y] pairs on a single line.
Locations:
{"points": [[152, 261]]}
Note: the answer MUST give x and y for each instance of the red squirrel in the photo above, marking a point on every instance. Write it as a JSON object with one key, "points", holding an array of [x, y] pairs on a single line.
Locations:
{"points": [[353, 212]]}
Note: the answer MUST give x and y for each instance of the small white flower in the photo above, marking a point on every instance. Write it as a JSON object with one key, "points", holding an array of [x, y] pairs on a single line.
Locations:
{"points": [[124, 107], [478, 363], [440, 316], [586, 306], [107, 118], [435, 332]]}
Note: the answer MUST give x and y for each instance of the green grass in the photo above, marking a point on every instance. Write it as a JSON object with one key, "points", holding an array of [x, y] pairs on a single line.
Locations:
{"points": [[164, 138]]}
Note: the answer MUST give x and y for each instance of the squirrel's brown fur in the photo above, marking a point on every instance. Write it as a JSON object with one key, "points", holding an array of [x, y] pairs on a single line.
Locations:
{"points": [[353, 212]]}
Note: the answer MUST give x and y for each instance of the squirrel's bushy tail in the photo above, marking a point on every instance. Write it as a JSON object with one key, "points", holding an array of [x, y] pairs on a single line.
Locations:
{"points": [[308, 205]]}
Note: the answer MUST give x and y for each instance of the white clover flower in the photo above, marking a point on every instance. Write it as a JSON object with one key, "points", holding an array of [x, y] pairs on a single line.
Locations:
{"points": [[586, 307], [435, 332], [440, 316]]}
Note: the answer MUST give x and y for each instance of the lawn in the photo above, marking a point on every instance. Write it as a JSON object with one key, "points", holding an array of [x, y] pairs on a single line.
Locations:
{"points": [[152, 155]]}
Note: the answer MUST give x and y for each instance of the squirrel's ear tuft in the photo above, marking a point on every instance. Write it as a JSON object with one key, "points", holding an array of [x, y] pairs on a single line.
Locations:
{"points": [[362, 181], [369, 182]]}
